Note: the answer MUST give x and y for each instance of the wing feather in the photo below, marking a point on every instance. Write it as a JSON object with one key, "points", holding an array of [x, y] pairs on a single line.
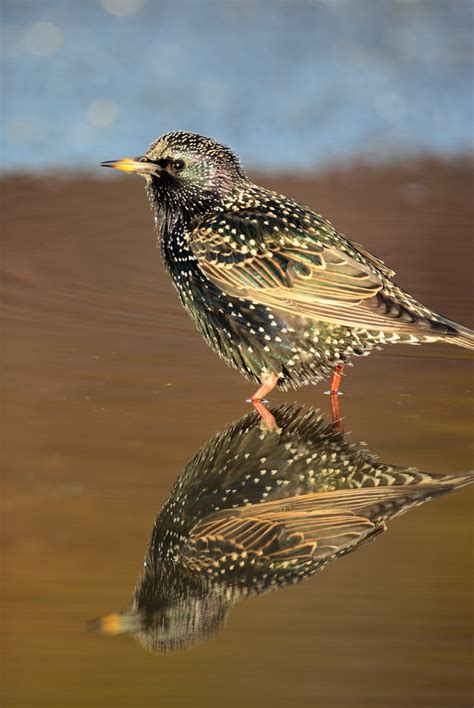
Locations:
{"points": [[319, 526], [296, 269]]}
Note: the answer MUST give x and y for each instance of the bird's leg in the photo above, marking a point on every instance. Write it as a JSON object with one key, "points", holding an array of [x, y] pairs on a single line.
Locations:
{"points": [[268, 384], [336, 414], [334, 393], [336, 379], [268, 420]]}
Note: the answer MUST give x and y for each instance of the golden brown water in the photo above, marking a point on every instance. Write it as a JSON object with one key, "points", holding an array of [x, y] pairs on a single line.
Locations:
{"points": [[109, 391]]}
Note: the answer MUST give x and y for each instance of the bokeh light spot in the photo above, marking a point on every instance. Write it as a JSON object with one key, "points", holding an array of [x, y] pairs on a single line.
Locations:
{"points": [[102, 113], [43, 39]]}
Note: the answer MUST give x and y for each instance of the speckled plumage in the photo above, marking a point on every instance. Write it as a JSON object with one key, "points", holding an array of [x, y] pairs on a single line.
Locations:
{"points": [[270, 284], [258, 509]]}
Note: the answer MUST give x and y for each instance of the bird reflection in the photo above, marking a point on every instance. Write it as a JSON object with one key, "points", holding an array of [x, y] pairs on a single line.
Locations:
{"points": [[258, 508]]}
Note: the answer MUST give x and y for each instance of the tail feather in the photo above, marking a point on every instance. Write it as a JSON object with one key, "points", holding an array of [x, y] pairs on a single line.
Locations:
{"points": [[410, 318], [421, 493], [453, 333], [463, 337], [450, 482]]}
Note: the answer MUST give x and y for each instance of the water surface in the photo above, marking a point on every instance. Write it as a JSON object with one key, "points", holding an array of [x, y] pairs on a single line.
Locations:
{"points": [[110, 392]]}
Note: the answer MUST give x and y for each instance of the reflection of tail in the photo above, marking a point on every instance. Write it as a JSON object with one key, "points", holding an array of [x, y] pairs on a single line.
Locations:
{"points": [[380, 504], [383, 502], [438, 485], [430, 480], [396, 500], [456, 481]]}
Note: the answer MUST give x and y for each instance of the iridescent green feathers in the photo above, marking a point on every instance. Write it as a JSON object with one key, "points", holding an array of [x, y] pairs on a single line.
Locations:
{"points": [[271, 251]]}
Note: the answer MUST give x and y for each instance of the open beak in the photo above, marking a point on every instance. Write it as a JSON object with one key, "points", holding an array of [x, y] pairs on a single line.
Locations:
{"points": [[139, 165]]}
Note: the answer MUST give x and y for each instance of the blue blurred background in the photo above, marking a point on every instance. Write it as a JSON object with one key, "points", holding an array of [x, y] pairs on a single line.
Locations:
{"points": [[292, 84]]}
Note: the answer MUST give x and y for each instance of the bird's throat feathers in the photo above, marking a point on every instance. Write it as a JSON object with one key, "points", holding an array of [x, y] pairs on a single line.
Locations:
{"points": [[167, 212], [179, 204]]}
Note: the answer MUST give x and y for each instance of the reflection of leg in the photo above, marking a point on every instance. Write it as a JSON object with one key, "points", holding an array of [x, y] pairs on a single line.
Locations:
{"points": [[336, 413], [268, 420], [337, 378], [268, 384], [334, 392]]}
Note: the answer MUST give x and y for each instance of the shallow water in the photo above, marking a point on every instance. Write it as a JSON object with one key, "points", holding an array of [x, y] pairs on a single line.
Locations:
{"points": [[110, 392]]}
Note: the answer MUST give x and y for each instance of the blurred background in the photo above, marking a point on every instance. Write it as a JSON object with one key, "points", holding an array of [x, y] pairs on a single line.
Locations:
{"points": [[362, 109], [289, 85]]}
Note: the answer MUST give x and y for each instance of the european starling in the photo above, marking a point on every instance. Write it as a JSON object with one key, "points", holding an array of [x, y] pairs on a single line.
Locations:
{"points": [[258, 509], [271, 285]]}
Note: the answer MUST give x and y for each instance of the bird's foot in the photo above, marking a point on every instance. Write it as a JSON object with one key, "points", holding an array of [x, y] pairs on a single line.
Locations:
{"points": [[269, 423], [268, 384]]}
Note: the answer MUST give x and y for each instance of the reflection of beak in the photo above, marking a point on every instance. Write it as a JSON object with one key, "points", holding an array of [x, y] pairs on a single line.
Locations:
{"points": [[115, 623], [139, 165], [108, 624]]}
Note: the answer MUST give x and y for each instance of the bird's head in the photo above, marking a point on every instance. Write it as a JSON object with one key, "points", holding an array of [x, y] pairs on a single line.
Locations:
{"points": [[170, 625], [186, 172]]}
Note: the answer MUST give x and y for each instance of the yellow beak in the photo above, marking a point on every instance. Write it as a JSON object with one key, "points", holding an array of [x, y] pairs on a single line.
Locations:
{"points": [[108, 624], [139, 165]]}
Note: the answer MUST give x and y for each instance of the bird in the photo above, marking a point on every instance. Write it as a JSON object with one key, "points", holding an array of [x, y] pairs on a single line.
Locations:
{"points": [[258, 509], [271, 285]]}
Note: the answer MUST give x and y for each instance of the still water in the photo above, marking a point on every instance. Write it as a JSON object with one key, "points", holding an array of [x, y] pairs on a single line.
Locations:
{"points": [[110, 393]]}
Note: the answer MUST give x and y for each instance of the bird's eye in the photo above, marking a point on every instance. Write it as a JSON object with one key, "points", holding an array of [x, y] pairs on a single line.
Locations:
{"points": [[178, 165]]}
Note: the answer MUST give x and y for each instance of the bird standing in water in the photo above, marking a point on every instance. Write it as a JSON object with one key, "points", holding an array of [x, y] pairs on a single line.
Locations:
{"points": [[273, 288]]}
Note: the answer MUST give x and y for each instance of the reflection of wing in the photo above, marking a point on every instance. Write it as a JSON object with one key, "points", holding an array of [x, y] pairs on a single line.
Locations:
{"points": [[306, 271], [234, 544], [312, 528]]}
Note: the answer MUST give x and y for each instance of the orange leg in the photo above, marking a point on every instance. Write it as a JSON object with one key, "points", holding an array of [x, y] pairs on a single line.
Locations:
{"points": [[337, 378], [336, 414], [268, 385], [334, 393], [268, 419]]}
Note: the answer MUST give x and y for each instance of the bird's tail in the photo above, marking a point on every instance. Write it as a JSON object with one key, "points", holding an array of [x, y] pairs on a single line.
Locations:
{"points": [[399, 499], [451, 332], [411, 320], [450, 482], [463, 336]]}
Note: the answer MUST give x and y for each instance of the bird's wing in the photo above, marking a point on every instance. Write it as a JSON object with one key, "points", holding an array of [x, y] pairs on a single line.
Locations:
{"points": [[304, 269], [311, 526], [380, 265], [317, 526]]}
